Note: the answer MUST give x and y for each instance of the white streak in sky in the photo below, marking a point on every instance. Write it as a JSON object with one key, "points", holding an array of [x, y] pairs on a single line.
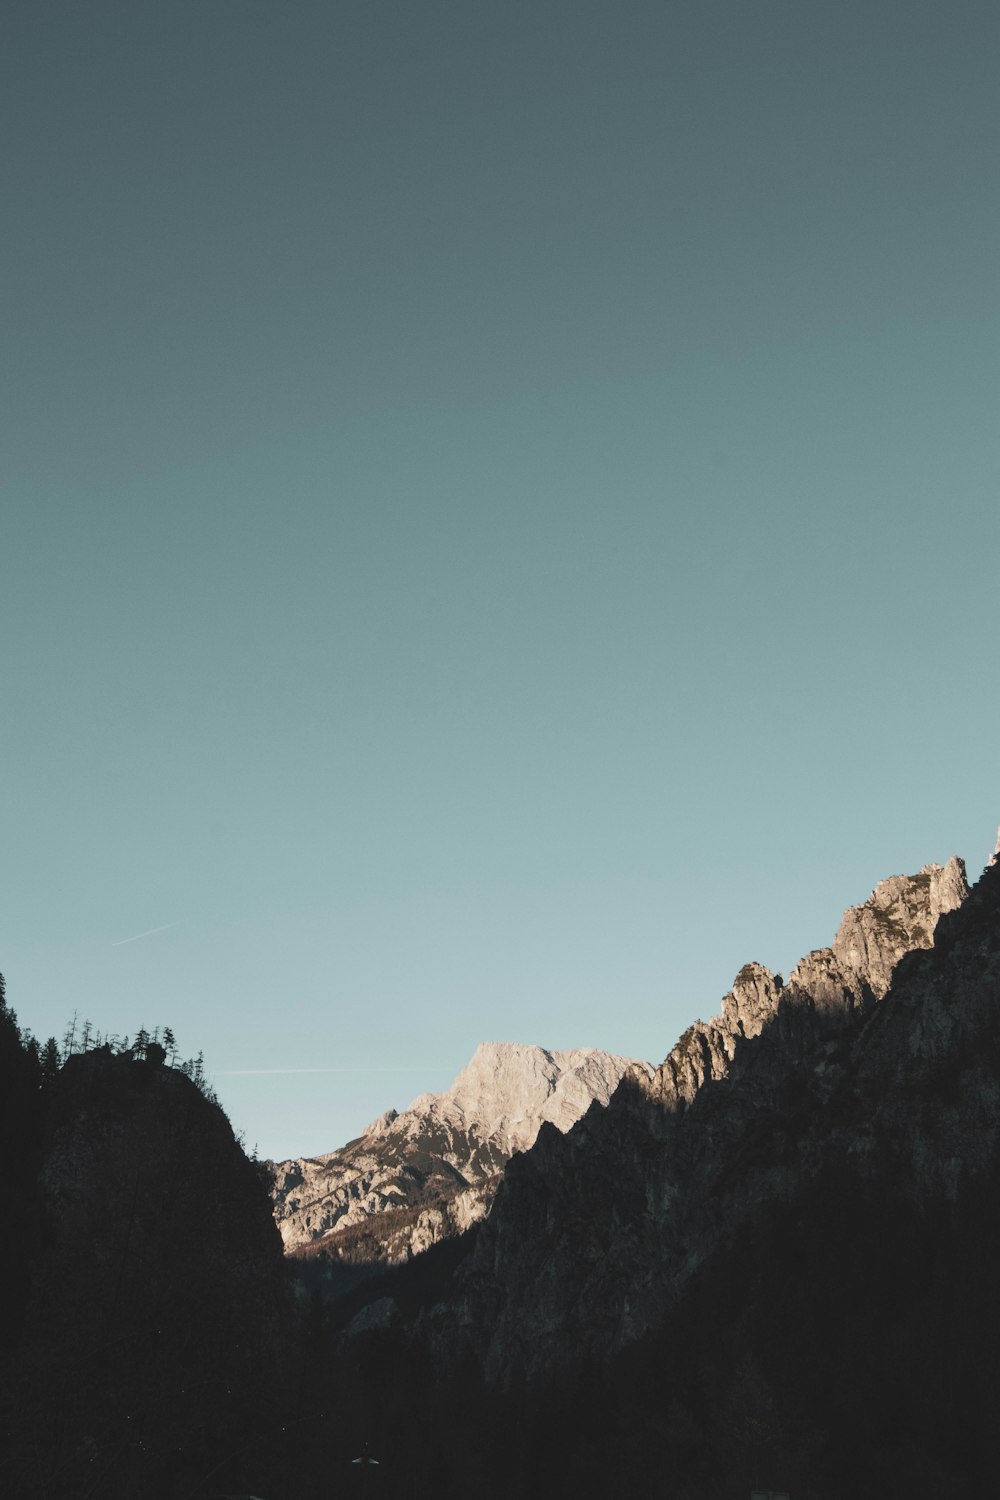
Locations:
{"points": [[148, 933], [257, 1072]]}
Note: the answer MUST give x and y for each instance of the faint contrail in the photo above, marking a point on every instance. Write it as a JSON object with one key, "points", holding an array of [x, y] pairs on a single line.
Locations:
{"points": [[246, 1072], [148, 933]]}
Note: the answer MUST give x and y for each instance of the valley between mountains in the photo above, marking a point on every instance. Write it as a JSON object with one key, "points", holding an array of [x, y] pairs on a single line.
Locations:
{"points": [[428, 1174], [765, 1264]]}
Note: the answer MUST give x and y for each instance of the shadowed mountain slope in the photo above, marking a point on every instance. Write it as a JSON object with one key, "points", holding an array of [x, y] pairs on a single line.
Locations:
{"points": [[427, 1174], [594, 1234], [767, 1265], [154, 1303]]}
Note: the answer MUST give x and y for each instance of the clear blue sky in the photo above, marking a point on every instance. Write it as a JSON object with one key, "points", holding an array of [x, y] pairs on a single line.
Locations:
{"points": [[499, 520]]}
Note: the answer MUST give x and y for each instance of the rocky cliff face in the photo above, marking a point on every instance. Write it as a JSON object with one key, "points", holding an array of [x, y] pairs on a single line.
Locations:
{"points": [[827, 988], [415, 1178], [900, 914], [594, 1234]]}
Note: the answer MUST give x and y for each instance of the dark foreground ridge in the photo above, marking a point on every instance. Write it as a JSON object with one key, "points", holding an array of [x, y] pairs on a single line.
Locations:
{"points": [[143, 1275], [768, 1266]]}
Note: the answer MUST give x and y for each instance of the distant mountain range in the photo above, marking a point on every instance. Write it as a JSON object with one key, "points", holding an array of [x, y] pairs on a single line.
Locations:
{"points": [[595, 1236], [766, 1264], [414, 1178]]}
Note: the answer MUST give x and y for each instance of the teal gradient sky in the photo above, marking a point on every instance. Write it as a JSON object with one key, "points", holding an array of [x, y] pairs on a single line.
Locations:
{"points": [[499, 515]]}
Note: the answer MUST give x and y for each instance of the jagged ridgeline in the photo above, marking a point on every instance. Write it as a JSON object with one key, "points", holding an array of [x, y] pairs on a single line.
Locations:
{"points": [[766, 1264], [637, 1196], [414, 1178]]}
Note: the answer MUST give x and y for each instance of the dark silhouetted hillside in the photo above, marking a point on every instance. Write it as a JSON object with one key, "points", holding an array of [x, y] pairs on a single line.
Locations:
{"points": [[154, 1315]]}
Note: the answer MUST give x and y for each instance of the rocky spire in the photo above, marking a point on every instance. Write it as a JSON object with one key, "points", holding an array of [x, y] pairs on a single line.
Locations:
{"points": [[429, 1172], [828, 984], [900, 914]]}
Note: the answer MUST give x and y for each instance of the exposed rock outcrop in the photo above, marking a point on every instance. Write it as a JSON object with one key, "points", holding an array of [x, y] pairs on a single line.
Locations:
{"points": [[831, 984], [594, 1234], [415, 1178], [900, 914]]}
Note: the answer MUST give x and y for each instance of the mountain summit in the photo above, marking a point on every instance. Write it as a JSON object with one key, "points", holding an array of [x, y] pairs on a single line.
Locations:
{"points": [[429, 1173], [433, 1170]]}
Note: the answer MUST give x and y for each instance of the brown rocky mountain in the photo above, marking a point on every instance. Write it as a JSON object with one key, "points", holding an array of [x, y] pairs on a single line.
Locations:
{"points": [[595, 1234], [426, 1174], [415, 1178], [768, 1264]]}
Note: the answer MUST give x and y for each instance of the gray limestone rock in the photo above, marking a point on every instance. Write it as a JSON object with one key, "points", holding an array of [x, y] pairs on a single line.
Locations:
{"points": [[900, 914], [594, 1233], [430, 1172], [752, 1001]]}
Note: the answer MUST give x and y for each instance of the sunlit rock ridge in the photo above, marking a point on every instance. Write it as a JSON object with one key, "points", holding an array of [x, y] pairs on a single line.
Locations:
{"points": [[416, 1177], [596, 1234], [826, 990]]}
